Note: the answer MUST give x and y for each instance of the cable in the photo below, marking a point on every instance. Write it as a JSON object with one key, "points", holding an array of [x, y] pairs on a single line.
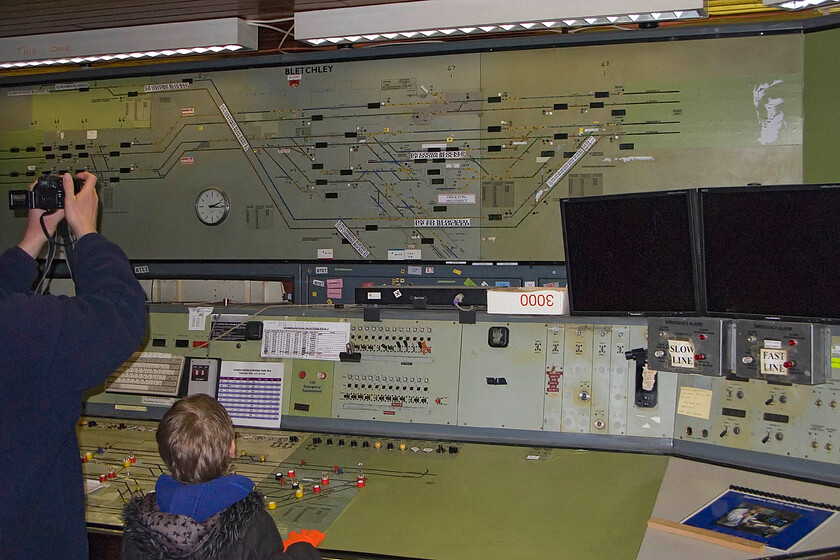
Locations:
{"points": [[267, 26], [285, 32], [259, 21], [286, 36]]}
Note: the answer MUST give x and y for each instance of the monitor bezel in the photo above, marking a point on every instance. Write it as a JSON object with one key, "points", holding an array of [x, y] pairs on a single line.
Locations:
{"points": [[690, 196], [702, 193]]}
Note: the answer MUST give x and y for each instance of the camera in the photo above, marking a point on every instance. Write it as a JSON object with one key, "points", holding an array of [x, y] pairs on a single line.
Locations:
{"points": [[47, 194]]}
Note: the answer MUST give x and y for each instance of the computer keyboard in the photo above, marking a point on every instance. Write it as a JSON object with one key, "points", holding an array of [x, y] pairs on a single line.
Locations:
{"points": [[148, 373]]}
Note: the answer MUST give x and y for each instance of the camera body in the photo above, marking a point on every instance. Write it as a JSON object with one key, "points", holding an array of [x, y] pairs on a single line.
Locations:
{"points": [[47, 194]]}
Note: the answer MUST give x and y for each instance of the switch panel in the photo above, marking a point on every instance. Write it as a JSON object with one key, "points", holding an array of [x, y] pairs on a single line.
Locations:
{"points": [[502, 387], [203, 376], [689, 345], [601, 355], [577, 379], [650, 421], [782, 352], [408, 372], [620, 370], [553, 406]]}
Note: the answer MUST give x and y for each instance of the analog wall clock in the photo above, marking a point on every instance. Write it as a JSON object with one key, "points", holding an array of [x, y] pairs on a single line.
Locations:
{"points": [[212, 206]]}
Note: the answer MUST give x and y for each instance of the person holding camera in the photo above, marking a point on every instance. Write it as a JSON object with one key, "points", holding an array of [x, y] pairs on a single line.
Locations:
{"points": [[54, 348]]}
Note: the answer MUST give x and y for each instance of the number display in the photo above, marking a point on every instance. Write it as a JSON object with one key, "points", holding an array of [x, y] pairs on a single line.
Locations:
{"points": [[536, 300]]}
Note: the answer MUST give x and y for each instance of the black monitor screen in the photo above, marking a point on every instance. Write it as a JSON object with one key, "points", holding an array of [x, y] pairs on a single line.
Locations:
{"points": [[631, 254], [772, 251]]}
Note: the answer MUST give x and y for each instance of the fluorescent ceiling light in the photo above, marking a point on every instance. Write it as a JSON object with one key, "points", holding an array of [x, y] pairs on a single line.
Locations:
{"points": [[473, 17], [799, 4], [128, 43]]}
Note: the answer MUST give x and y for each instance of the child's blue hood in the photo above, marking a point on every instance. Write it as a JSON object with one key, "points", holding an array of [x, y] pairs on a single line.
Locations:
{"points": [[204, 500]]}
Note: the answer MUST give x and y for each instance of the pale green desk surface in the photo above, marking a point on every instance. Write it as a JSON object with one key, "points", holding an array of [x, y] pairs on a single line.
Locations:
{"points": [[492, 502]]}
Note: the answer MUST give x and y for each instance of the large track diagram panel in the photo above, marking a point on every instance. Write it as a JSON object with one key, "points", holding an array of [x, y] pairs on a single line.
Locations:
{"points": [[435, 158]]}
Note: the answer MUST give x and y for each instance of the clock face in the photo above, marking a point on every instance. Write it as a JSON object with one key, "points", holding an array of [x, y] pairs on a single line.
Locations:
{"points": [[212, 206]]}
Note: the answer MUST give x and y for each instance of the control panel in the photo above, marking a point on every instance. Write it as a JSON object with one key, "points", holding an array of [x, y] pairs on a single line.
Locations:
{"points": [[399, 371], [344, 484], [782, 352], [203, 375], [523, 379], [689, 345], [502, 375]]}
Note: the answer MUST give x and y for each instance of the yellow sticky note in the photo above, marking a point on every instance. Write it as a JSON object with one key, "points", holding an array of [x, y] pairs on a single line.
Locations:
{"points": [[835, 362], [695, 402], [456, 271]]}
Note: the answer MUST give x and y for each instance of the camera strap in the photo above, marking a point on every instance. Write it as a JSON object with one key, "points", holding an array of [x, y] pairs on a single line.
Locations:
{"points": [[67, 242], [39, 288]]}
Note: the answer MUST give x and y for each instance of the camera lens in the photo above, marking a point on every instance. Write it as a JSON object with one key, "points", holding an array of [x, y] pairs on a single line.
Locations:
{"points": [[18, 199]]}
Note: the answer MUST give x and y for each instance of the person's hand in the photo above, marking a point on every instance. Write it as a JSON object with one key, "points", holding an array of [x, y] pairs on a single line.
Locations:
{"points": [[81, 209], [312, 536], [34, 237]]}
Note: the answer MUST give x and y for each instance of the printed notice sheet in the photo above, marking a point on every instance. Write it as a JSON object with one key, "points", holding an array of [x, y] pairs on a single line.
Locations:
{"points": [[304, 339], [252, 393]]}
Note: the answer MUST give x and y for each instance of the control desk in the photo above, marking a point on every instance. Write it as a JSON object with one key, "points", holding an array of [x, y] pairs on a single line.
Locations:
{"points": [[419, 498], [504, 437]]}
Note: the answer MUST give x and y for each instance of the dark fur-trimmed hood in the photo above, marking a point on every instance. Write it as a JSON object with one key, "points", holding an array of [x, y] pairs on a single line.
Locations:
{"points": [[160, 536]]}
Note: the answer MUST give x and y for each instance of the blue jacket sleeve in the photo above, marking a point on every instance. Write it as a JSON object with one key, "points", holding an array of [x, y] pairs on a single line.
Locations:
{"points": [[17, 271], [72, 343], [106, 321]]}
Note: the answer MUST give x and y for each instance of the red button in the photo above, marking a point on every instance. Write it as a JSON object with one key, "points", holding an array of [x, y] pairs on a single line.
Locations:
{"points": [[302, 374]]}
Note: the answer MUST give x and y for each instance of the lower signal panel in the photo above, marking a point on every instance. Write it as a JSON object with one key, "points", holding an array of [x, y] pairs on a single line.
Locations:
{"points": [[407, 372]]}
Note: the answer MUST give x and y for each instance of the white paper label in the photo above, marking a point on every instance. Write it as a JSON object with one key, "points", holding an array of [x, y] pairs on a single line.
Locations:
{"points": [[198, 317], [772, 361], [681, 353], [466, 198]]}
